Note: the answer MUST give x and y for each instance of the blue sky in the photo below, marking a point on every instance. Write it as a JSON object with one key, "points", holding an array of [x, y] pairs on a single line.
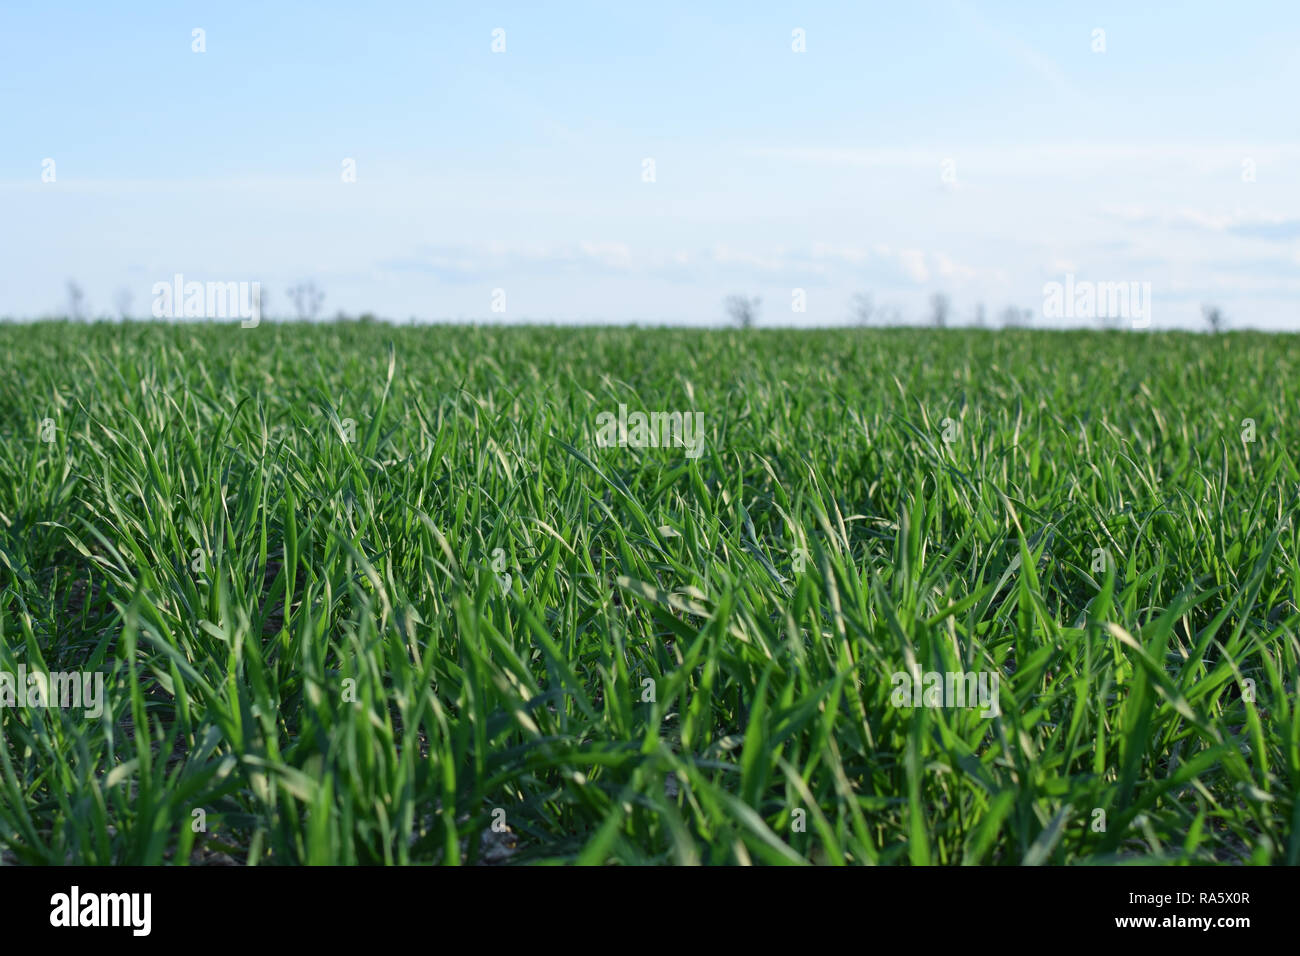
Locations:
{"points": [[774, 170]]}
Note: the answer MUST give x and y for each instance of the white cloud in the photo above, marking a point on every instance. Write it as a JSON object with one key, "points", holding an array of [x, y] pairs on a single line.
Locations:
{"points": [[1238, 222], [612, 254], [1044, 159], [913, 263]]}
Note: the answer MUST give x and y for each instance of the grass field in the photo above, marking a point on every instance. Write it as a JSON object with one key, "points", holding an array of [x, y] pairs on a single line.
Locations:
{"points": [[360, 593]]}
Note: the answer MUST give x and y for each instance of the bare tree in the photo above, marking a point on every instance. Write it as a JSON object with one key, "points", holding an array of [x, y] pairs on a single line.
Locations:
{"points": [[862, 309], [1214, 318], [939, 308], [1013, 317], [123, 302], [76, 300], [743, 310], [306, 299], [980, 318]]}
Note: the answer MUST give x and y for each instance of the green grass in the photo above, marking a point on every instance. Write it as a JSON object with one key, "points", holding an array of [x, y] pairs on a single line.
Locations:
{"points": [[344, 679]]}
